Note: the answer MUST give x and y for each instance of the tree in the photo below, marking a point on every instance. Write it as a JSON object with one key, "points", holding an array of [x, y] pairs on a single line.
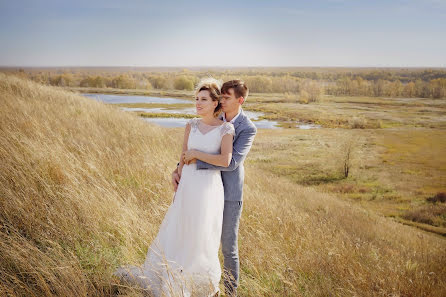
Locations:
{"points": [[260, 84], [184, 83], [378, 88], [409, 90], [438, 88], [312, 88], [158, 81], [123, 82]]}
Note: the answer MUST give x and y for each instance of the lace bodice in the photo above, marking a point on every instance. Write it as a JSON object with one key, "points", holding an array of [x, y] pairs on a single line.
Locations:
{"points": [[207, 138]]}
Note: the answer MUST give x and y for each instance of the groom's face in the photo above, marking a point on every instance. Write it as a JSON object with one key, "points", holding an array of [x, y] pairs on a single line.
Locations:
{"points": [[229, 102]]}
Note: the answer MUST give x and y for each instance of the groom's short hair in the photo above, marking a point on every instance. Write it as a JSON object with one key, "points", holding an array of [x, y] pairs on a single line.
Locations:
{"points": [[239, 86]]}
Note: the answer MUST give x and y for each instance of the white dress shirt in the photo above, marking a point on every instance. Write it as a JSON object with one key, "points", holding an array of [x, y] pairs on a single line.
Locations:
{"points": [[233, 120]]}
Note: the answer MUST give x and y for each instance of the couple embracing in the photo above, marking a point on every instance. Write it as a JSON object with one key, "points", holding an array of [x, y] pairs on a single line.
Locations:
{"points": [[208, 181]]}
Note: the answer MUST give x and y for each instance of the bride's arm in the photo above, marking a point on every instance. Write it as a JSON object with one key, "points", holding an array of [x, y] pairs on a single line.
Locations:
{"points": [[186, 137], [223, 159]]}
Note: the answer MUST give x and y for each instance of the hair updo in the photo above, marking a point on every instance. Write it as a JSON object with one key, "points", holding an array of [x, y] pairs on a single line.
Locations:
{"points": [[213, 86]]}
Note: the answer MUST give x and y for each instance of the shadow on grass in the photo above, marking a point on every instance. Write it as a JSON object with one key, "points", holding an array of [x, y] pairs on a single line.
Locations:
{"points": [[320, 179]]}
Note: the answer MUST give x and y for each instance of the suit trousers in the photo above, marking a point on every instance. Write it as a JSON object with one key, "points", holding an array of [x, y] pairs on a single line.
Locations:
{"points": [[229, 240]]}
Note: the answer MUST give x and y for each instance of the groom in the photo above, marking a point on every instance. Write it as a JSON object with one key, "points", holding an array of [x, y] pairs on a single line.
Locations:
{"points": [[234, 94]]}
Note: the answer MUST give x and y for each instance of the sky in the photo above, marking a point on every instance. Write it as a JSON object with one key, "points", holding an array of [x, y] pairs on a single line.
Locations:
{"points": [[336, 33]]}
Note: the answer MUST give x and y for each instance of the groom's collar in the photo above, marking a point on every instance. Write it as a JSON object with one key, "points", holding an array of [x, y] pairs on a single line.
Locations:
{"points": [[239, 118], [234, 118]]}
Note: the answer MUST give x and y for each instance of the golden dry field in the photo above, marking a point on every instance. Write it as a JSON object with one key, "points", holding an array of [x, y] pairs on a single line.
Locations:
{"points": [[84, 187]]}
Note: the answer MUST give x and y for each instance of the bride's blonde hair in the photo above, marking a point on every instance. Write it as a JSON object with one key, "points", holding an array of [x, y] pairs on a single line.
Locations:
{"points": [[214, 87]]}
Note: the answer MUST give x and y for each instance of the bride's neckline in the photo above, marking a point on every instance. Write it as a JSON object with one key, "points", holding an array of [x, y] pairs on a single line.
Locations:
{"points": [[203, 123]]}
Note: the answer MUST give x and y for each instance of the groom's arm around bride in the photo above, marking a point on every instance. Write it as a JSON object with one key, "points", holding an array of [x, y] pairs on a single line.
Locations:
{"points": [[241, 147]]}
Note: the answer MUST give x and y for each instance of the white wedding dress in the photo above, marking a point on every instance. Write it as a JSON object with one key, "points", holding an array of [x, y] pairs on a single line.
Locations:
{"points": [[183, 258]]}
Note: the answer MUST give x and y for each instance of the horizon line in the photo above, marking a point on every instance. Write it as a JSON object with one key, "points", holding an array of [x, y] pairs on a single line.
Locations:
{"points": [[215, 66]]}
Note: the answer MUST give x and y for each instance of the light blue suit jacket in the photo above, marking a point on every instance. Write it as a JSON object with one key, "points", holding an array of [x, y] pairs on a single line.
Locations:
{"points": [[234, 175]]}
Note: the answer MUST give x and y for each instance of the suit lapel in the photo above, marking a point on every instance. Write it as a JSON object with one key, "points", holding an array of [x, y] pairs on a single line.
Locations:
{"points": [[240, 119]]}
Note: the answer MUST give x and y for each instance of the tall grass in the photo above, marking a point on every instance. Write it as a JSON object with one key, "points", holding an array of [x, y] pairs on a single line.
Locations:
{"points": [[84, 187]]}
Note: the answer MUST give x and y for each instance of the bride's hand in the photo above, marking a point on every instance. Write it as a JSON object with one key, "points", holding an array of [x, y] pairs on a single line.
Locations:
{"points": [[188, 156]]}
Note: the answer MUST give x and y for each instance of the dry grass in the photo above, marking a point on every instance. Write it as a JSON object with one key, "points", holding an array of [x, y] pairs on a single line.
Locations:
{"points": [[428, 214], [165, 115], [393, 171], [154, 93], [85, 186]]}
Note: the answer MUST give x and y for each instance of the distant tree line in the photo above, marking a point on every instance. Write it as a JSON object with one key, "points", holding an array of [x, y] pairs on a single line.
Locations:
{"points": [[308, 84], [402, 75], [121, 81], [435, 88]]}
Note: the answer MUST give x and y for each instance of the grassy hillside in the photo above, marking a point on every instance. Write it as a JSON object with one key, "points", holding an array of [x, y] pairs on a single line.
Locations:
{"points": [[84, 187]]}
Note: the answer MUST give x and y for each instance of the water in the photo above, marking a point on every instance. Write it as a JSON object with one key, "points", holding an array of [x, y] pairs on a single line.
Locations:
{"points": [[179, 122], [114, 99], [308, 126], [161, 110], [168, 122], [266, 124]]}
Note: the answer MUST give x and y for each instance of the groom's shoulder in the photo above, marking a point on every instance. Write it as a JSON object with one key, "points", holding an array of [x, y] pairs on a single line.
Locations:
{"points": [[249, 125]]}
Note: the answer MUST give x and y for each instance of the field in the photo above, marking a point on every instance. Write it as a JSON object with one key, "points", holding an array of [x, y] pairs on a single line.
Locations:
{"points": [[84, 187], [397, 146]]}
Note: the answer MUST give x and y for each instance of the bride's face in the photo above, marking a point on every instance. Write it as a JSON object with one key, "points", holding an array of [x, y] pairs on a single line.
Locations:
{"points": [[204, 104]]}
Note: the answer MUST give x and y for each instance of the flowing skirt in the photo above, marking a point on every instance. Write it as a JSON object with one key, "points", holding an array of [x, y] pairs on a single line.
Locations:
{"points": [[183, 258]]}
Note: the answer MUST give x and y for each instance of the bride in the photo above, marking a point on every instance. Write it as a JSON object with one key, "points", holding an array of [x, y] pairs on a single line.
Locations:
{"points": [[183, 258]]}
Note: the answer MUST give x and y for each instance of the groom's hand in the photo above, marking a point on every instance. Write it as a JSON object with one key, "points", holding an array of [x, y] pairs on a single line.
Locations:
{"points": [[175, 179]]}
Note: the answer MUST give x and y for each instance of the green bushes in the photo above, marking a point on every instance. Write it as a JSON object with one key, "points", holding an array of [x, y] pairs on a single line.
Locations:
{"points": [[184, 83], [158, 81], [123, 82]]}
